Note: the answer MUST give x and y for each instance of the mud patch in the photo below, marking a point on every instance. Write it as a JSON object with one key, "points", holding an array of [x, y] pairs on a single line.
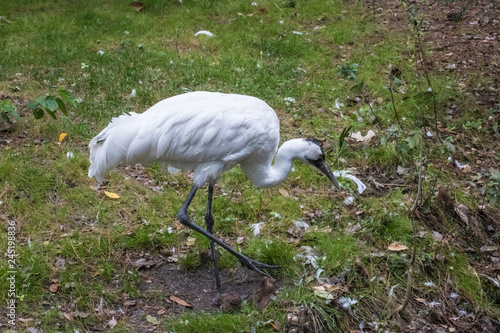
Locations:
{"points": [[195, 287]]}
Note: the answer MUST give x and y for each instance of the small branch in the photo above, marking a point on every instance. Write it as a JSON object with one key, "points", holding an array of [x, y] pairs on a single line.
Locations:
{"points": [[417, 202], [367, 101], [427, 78], [394, 105]]}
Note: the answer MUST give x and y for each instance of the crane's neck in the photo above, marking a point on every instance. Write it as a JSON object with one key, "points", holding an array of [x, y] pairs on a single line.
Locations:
{"points": [[266, 174]]}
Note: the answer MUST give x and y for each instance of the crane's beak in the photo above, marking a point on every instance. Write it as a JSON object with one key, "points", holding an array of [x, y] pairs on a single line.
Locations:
{"points": [[321, 164]]}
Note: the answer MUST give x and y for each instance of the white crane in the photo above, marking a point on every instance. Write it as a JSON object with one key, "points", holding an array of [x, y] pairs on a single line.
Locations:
{"points": [[209, 133]]}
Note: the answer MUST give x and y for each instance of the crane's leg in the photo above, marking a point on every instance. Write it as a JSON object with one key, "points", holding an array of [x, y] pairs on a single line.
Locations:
{"points": [[209, 222], [183, 218]]}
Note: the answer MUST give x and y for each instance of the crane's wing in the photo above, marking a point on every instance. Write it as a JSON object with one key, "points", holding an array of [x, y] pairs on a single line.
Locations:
{"points": [[210, 127]]}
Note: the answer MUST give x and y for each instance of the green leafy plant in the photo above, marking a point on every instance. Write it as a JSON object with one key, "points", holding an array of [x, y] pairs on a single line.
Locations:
{"points": [[492, 188], [7, 108], [50, 104], [342, 144]]}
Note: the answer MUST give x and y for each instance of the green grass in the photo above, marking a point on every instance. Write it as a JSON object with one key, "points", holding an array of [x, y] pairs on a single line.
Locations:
{"points": [[47, 44]]}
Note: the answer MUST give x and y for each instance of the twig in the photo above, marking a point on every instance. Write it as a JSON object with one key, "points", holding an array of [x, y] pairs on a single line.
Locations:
{"points": [[417, 202], [421, 55], [76, 253], [394, 105], [367, 101]]}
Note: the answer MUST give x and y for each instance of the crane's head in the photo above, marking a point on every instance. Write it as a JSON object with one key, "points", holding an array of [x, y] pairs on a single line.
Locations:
{"points": [[312, 154]]}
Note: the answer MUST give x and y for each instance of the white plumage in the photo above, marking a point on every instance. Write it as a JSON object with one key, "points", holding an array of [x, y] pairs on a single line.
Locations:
{"points": [[201, 131], [208, 133]]}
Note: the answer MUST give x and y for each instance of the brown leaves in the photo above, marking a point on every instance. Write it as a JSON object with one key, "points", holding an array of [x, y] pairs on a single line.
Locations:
{"points": [[397, 247], [179, 301], [144, 263], [54, 287], [284, 193]]}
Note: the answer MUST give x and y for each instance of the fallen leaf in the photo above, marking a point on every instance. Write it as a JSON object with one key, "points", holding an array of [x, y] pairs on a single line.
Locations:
{"points": [[179, 301], [62, 136], [360, 138], [178, 225], [353, 228], [69, 285], [402, 171], [396, 247], [284, 193], [274, 325], [160, 312], [438, 237], [82, 314], [111, 195], [323, 294], [190, 241], [461, 210], [54, 287], [486, 248], [68, 316], [144, 263], [137, 5], [152, 320]]}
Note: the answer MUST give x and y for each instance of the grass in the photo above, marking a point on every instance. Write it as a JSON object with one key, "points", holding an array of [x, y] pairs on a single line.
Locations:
{"points": [[101, 51]]}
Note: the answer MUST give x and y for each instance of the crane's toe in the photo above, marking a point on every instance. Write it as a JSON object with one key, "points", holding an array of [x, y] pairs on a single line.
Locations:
{"points": [[255, 265]]}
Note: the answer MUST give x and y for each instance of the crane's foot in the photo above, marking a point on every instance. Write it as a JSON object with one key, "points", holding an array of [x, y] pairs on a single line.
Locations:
{"points": [[255, 265]]}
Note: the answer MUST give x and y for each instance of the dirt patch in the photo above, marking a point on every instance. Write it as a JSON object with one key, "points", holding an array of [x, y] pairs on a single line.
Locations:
{"points": [[163, 285], [464, 38]]}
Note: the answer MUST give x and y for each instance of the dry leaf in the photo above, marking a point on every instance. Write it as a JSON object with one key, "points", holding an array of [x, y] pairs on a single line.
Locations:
{"points": [[178, 225], [137, 5], [111, 195], [179, 301], [396, 247], [461, 210], [54, 287], [190, 241], [160, 312], [284, 193], [152, 320], [62, 136], [68, 316], [82, 314], [323, 294]]}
